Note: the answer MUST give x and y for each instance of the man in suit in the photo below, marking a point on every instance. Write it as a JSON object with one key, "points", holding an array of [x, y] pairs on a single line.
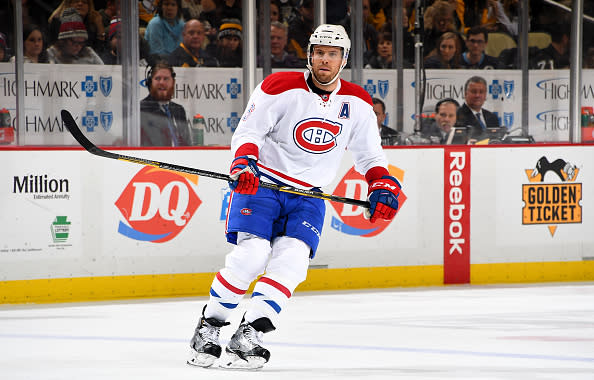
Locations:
{"points": [[472, 114], [388, 135], [438, 130], [162, 122]]}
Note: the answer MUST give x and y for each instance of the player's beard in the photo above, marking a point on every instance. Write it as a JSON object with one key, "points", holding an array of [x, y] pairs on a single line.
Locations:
{"points": [[162, 95]]}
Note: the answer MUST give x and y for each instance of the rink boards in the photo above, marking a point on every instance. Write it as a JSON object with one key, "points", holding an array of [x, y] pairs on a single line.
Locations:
{"points": [[78, 227]]}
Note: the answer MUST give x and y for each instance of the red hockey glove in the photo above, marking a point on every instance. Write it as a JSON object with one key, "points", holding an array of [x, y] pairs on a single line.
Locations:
{"points": [[383, 198], [245, 175]]}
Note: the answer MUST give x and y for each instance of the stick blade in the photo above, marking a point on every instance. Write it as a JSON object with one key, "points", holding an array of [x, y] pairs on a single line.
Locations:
{"points": [[75, 131]]}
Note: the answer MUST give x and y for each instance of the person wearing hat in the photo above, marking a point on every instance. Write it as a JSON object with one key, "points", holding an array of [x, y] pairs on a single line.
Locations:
{"points": [[228, 47], [91, 18], [111, 56], [72, 40]]}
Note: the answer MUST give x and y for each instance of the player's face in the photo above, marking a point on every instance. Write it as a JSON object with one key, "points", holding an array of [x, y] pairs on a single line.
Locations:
{"points": [[475, 95], [162, 85], [446, 117], [326, 62]]}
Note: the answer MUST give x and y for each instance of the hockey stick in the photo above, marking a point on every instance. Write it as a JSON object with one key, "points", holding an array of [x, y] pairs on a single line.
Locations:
{"points": [[92, 148]]}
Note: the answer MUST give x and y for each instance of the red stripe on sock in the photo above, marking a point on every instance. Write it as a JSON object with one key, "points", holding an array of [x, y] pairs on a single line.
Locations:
{"points": [[229, 286], [276, 285]]}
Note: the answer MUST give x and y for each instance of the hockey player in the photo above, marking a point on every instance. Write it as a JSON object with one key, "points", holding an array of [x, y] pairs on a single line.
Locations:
{"points": [[294, 131]]}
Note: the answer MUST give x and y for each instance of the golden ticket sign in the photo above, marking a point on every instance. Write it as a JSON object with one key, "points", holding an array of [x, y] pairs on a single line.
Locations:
{"points": [[552, 203]]}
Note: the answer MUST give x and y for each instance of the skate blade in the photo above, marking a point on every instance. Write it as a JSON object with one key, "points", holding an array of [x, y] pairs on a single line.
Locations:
{"points": [[233, 361], [201, 359]]}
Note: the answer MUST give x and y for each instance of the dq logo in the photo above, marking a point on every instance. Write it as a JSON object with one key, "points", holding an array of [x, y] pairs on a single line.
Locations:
{"points": [[157, 204], [351, 219], [316, 135]]}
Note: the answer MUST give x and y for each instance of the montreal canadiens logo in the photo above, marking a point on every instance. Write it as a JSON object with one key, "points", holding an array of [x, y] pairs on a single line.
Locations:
{"points": [[316, 135]]}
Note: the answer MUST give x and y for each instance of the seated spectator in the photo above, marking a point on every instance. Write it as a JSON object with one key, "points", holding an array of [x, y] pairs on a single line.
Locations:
{"points": [[279, 57], [447, 54], [33, 45], [3, 47], [112, 55], [90, 17], [472, 114], [439, 19], [72, 40], [190, 52], [300, 28], [275, 11], [388, 135], [228, 50], [556, 55], [475, 57], [383, 58], [164, 31], [438, 130], [162, 122], [111, 11]]}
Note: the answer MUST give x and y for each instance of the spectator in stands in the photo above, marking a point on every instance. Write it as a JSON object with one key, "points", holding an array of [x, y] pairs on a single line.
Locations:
{"points": [[162, 122], [556, 55], [3, 47], [383, 58], [33, 45], [190, 53], [370, 34], [111, 11], [112, 55], [164, 31], [447, 54], [191, 9], [300, 28], [438, 130], [90, 17], [489, 14], [71, 46], [275, 11], [475, 57], [512, 11], [228, 49], [472, 114], [278, 48], [439, 19], [388, 135]]}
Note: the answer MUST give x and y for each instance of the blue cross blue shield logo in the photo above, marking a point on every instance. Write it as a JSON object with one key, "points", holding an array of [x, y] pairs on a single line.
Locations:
{"points": [[233, 88], [369, 87], [383, 86], [89, 121], [89, 86], [232, 121], [508, 88], [495, 89], [106, 120], [105, 85]]}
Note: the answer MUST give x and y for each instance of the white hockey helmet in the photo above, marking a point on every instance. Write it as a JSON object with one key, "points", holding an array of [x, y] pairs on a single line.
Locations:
{"points": [[329, 35]]}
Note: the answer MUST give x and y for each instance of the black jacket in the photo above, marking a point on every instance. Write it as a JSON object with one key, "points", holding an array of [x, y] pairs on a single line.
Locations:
{"points": [[154, 130], [466, 117]]}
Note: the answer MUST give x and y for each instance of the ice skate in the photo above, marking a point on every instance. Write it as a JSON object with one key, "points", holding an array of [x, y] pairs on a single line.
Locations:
{"points": [[245, 350], [204, 346]]}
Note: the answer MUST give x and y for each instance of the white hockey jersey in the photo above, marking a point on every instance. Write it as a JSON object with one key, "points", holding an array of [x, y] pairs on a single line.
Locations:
{"points": [[301, 138]]}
